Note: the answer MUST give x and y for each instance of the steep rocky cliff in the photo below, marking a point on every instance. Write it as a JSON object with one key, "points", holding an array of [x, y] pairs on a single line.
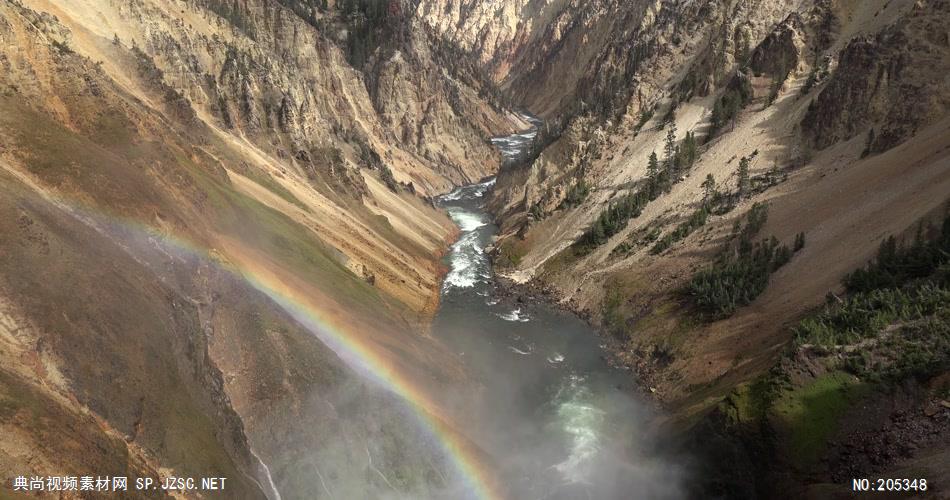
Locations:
{"points": [[187, 187]]}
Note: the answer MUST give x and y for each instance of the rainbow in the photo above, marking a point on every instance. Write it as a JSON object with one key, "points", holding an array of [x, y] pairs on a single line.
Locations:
{"points": [[356, 352], [365, 359]]}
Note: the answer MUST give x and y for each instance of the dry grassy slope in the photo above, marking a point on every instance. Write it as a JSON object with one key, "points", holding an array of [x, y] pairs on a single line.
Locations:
{"points": [[124, 216], [843, 203]]}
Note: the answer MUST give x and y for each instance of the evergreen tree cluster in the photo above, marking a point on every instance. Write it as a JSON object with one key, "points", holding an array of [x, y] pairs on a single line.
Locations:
{"points": [[744, 177], [645, 116], [904, 291], [714, 203], [897, 265], [740, 273], [866, 314], [614, 219], [819, 71], [536, 212], [694, 222], [709, 189], [755, 220], [576, 195], [737, 278], [678, 158], [386, 174], [799, 242]]}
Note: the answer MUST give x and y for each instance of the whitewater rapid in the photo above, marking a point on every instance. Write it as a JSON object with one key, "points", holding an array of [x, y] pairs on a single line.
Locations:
{"points": [[556, 419]]}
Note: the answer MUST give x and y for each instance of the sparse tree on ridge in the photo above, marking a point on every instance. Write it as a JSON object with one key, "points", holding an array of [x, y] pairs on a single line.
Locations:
{"points": [[709, 189], [669, 160], [687, 152], [744, 181], [799, 242], [653, 167], [670, 148]]}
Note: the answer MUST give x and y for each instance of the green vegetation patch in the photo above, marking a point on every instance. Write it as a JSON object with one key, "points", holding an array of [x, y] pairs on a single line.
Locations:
{"points": [[811, 414], [695, 221], [893, 326], [895, 323]]}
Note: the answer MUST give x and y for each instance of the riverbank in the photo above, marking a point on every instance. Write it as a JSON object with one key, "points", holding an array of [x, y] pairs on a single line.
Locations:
{"points": [[555, 416], [535, 293]]}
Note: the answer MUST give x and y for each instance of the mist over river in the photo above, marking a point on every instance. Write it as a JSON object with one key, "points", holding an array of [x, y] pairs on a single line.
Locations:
{"points": [[553, 416]]}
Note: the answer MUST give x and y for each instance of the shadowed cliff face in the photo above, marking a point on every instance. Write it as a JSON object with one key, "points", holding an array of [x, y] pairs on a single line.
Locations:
{"points": [[887, 85]]}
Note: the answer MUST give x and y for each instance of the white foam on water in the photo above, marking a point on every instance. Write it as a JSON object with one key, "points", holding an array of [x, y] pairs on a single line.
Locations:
{"points": [[453, 196], [466, 221], [580, 420], [470, 191], [556, 358], [466, 260], [480, 189], [519, 351], [515, 315]]}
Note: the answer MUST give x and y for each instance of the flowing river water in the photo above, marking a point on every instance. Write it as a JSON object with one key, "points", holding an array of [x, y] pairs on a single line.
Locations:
{"points": [[554, 417]]}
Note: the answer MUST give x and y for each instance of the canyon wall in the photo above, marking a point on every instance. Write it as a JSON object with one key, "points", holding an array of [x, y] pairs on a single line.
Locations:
{"points": [[208, 208], [831, 114]]}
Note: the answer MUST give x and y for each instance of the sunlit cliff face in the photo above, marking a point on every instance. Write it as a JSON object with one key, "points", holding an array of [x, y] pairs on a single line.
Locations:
{"points": [[187, 193]]}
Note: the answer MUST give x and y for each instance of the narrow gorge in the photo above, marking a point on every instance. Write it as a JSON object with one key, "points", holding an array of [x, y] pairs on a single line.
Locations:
{"points": [[559, 249]]}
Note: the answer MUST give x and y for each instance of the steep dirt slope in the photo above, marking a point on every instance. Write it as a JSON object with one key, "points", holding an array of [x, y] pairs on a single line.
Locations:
{"points": [[612, 156], [185, 187]]}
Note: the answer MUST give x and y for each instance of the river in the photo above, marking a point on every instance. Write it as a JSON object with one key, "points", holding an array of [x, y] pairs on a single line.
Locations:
{"points": [[554, 417]]}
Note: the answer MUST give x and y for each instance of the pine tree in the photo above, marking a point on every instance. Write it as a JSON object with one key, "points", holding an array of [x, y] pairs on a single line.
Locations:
{"points": [[799, 242], [709, 189], [669, 160], [688, 152], [744, 181], [868, 143], [653, 167], [670, 148]]}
